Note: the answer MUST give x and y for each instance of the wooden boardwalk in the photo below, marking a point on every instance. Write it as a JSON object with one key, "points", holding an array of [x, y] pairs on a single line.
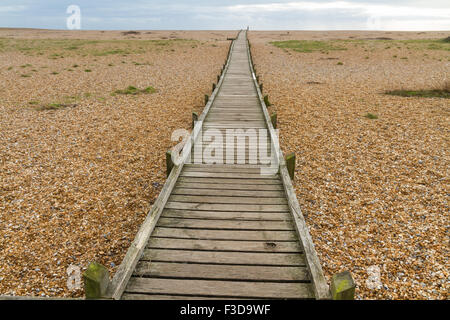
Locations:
{"points": [[224, 230]]}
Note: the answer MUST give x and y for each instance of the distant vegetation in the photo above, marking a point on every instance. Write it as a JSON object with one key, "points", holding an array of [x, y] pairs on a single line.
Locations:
{"points": [[387, 43], [371, 116], [60, 48], [440, 92], [307, 45], [55, 106], [134, 90]]}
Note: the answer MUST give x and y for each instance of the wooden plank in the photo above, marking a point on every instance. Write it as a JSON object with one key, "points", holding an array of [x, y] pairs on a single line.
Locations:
{"points": [[237, 289], [223, 245], [227, 207], [245, 235], [226, 200], [233, 181], [222, 272], [228, 186], [235, 175], [228, 193], [228, 215], [225, 224], [220, 168], [218, 257]]}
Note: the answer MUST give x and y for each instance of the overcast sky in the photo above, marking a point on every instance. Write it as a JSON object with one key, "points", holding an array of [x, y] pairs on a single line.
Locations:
{"points": [[231, 14]]}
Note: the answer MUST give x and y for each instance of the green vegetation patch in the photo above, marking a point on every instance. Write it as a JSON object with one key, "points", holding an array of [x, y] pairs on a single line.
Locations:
{"points": [[60, 48], [134, 91], [307, 45], [371, 116], [386, 43], [55, 106], [435, 93]]}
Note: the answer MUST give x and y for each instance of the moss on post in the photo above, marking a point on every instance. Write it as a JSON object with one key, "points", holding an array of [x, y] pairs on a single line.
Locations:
{"points": [[273, 119], [342, 286], [194, 119], [96, 281], [266, 100], [169, 162], [290, 164]]}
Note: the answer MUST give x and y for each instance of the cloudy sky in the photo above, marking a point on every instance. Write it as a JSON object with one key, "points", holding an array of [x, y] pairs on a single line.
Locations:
{"points": [[231, 14]]}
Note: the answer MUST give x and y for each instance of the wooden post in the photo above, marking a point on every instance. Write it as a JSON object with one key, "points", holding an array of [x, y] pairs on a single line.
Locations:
{"points": [[290, 165], [257, 79], [261, 87], [213, 87], [96, 281], [218, 78], [169, 162], [194, 119], [266, 100], [206, 99], [273, 119], [342, 286]]}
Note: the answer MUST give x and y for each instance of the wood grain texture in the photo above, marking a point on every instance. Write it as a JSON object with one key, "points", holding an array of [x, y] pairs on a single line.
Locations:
{"points": [[221, 288]]}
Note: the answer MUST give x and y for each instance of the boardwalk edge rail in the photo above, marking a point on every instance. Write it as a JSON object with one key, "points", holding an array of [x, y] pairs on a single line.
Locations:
{"points": [[321, 289], [134, 253]]}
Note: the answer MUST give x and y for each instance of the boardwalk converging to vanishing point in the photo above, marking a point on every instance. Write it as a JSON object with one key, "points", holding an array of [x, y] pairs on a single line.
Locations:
{"points": [[225, 229]]}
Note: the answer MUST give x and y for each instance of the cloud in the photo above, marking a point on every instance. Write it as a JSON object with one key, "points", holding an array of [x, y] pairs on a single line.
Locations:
{"points": [[360, 15], [352, 7], [6, 9]]}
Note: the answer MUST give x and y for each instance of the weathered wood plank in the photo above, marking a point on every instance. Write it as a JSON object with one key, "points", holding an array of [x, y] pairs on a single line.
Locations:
{"points": [[229, 215], [228, 193], [233, 181], [222, 272], [218, 257], [228, 186], [223, 245], [226, 200], [221, 288], [225, 224], [236, 175], [227, 207], [244, 235]]}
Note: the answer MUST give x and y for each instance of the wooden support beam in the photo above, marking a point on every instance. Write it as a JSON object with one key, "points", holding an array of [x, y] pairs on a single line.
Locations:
{"points": [[169, 162], [290, 165], [266, 100], [342, 286], [194, 119], [96, 281], [273, 119]]}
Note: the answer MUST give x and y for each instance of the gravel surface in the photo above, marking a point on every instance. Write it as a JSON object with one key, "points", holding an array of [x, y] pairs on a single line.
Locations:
{"points": [[374, 191], [80, 166]]}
